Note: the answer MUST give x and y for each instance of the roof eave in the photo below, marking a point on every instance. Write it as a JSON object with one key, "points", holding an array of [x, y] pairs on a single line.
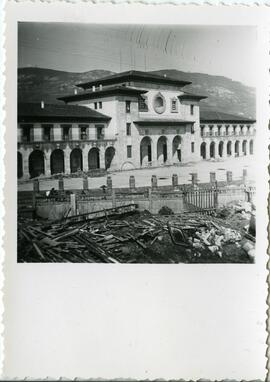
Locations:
{"points": [[228, 120], [165, 122], [130, 77], [101, 94]]}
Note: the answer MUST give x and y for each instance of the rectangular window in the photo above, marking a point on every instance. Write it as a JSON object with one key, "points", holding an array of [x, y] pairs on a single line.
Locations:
{"points": [[66, 132], [129, 151], [127, 106], [192, 129], [192, 147], [219, 130], [227, 129], [83, 132], [95, 105], [173, 105], [234, 129], [210, 130], [142, 101], [47, 132], [192, 109], [128, 128], [100, 105], [26, 132], [100, 131]]}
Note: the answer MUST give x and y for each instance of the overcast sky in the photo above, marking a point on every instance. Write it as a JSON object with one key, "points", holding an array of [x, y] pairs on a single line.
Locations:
{"points": [[228, 51]]}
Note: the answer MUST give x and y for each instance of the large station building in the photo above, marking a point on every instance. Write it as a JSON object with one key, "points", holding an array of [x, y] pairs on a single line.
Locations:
{"points": [[125, 121]]}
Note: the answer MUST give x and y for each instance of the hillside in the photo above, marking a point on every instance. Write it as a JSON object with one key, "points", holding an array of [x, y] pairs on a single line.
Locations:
{"points": [[36, 84], [223, 93]]}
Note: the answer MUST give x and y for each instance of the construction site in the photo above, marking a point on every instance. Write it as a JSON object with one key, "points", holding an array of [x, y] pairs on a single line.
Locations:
{"points": [[212, 222]]}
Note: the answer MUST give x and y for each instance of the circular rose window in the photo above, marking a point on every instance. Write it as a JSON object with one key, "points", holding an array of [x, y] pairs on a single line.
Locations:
{"points": [[159, 103]]}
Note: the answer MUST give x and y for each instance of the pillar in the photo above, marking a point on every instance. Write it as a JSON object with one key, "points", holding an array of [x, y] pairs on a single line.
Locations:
{"points": [[207, 150], [132, 182], [102, 157], [38, 133], [154, 182], [229, 176], [109, 182], [47, 163], [85, 182], [25, 156], [75, 133], [36, 185], [244, 175], [194, 178], [85, 158], [154, 152], [67, 160], [169, 150], [175, 180], [73, 204], [57, 133], [61, 184], [212, 177]]}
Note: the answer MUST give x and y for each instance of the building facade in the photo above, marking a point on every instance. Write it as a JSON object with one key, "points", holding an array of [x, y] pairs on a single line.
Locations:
{"points": [[126, 121]]}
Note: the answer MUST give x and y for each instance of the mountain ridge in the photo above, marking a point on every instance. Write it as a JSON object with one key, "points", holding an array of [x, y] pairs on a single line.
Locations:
{"points": [[224, 94]]}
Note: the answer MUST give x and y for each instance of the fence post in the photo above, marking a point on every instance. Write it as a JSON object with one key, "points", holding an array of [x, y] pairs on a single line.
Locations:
{"points": [[61, 183], [113, 199], [132, 182], [150, 200], [212, 177], [36, 185], [109, 183], [73, 204], [244, 175], [194, 178], [85, 182], [229, 176], [175, 180], [154, 181]]}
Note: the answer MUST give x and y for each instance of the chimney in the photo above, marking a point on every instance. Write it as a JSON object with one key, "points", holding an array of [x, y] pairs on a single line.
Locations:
{"points": [[93, 88], [42, 104], [100, 87]]}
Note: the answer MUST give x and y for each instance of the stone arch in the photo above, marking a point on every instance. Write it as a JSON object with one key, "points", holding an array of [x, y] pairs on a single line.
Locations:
{"points": [[203, 150], [146, 151], [36, 163], [229, 148], [19, 165], [220, 148], [93, 158], [237, 148], [176, 148], [244, 147], [162, 152], [212, 149], [76, 160], [57, 161], [109, 155], [251, 147]]}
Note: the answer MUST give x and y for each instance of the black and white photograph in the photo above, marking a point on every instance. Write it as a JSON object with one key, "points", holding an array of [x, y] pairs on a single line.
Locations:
{"points": [[136, 143], [135, 191]]}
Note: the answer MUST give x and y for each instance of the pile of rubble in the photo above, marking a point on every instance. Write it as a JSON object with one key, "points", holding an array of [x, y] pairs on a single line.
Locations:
{"points": [[135, 238]]}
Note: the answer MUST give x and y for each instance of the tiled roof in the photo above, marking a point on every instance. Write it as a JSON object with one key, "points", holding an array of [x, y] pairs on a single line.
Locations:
{"points": [[162, 121], [54, 112], [132, 75], [217, 116], [107, 92]]}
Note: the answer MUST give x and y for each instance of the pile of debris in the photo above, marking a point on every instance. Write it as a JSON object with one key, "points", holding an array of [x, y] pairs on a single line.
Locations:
{"points": [[134, 238]]}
